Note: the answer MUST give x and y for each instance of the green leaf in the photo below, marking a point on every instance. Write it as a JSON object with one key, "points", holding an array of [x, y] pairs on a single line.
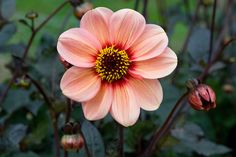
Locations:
{"points": [[16, 99], [12, 136], [190, 132], [93, 139], [28, 154], [6, 32], [198, 45], [191, 137], [208, 148], [7, 8], [15, 133]]}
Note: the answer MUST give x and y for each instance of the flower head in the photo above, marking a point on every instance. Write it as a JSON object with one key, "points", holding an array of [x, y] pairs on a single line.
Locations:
{"points": [[117, 59]]}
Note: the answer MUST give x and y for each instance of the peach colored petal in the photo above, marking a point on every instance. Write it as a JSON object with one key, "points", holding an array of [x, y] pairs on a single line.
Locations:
{"points": [[80, 84], [78, 47], [126, 26], [96, 22], [157, 67], [151, 43], [99, 106], [148, 93], [124, 108]]}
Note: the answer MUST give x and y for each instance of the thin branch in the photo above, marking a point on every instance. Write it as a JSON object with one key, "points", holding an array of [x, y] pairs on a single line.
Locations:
{"points": [[190, 31], [26, 51], [68, 115], [56, 135], [51, 15], [120, 148], [174, 113], [212, 30], [165, 127], [6, 90], [136, 5], [41, 90], [145, 3], [51, 111], [217, 55]]}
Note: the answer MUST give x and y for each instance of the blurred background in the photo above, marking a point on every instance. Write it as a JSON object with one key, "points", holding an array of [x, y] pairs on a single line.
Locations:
{"points": [[26, 123]]}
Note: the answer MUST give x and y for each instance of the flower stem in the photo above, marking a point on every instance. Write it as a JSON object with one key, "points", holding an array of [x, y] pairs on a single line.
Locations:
{"points": [[120, 148], [145, 3], [212, 30], [136, 4], [165, 127], [51, 111]]}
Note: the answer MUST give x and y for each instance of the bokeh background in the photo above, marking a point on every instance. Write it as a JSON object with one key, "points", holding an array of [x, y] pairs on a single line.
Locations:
{"points": [[25, 122]]}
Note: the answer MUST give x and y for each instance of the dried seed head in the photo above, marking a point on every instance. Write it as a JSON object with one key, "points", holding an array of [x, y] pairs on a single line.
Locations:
{"points": [[72, 142]]}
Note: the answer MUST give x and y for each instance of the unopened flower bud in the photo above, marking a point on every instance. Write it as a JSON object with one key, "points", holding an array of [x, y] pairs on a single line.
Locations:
{"points": [[65, 63], [73, 142], [31, 15], [228, 88], [202, 97], [82, 9]]}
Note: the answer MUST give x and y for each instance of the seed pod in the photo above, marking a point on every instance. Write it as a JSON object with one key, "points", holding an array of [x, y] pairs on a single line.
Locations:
{"points": [[31, 15], [72, 142], [202, 97]]}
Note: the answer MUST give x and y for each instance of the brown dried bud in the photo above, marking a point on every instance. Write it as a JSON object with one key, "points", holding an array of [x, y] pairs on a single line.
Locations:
{"points": [[65, 63], [202, 97], [80, 10], [228, 88], [72, 142]]}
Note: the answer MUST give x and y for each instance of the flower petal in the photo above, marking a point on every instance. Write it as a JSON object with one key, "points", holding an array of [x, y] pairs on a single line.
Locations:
{"points": [[151, 43], [78, 47], [124, 108], [157, 67], [148, 93], [99, 106], [80, 84], [96, 22], [126, 26]]}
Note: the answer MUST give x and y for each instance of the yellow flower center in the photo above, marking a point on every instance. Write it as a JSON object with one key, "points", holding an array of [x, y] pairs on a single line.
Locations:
{"points": [[112, 64]]}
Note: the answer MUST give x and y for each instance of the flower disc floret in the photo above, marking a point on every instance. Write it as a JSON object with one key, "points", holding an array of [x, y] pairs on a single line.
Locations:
{"points": [[112, 64]]}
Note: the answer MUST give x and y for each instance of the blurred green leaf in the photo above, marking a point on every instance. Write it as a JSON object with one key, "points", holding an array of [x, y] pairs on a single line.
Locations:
{"points": [[7, 8], [190, 132], [12, 136], [15, 99], [208, 148], [15, 133], [198, 45], [191, 137], [6, 32], [93, 139], [27, 154]]}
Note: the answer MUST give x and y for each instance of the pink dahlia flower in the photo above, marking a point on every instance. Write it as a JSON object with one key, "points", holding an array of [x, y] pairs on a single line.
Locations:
{"points": [[117, 59]]}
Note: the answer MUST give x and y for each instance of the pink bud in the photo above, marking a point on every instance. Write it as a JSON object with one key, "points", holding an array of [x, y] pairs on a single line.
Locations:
{"points": [[202, 97]]}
